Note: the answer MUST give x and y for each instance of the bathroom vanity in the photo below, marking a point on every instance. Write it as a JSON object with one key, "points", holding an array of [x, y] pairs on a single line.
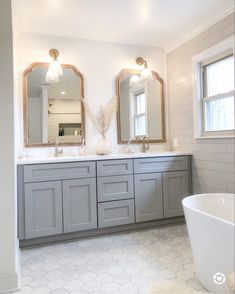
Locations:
{"points": [[65, 198]]}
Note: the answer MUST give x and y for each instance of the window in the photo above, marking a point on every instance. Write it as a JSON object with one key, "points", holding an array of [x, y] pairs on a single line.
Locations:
{"points": [[218, 95], [214, 91], [140, 114]]}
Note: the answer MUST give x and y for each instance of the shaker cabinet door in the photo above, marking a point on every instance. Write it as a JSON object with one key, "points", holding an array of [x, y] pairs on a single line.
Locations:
{"points": [[43, 209], [148, 197], [79, 205], [175, 188]]}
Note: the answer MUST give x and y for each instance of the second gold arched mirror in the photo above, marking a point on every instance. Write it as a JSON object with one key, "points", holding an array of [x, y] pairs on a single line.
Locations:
{"points": [[141, 107]]}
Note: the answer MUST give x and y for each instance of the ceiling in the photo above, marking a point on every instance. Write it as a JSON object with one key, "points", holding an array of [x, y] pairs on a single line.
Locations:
{"points": [[158, 23]]}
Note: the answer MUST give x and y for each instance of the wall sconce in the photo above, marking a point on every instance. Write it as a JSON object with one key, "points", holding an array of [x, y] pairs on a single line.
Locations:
{"points": [[55, 68], [146, 73]]}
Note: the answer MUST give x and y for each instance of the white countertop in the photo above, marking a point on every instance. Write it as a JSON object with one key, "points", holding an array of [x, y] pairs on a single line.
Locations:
{"points": [[71, 158]]}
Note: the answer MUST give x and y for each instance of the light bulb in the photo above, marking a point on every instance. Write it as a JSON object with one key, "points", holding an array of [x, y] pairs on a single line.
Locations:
{"points": [[54, 71], [146, 74], [56, 67], [134, 81], [52, 76]]}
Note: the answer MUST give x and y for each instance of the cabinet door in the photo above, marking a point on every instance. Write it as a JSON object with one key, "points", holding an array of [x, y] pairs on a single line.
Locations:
{"points": [[43, 209], [148, 197], [79, 205], [175, 188]]}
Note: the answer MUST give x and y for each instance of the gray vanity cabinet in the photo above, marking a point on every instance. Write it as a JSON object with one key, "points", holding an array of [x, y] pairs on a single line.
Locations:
{"points": [[43, 209], [175, 188], [79, 205], [148, 197], [83, 198]]}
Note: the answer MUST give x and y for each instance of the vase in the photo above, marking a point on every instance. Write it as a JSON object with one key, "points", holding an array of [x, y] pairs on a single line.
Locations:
{"points": [[104, 146]]}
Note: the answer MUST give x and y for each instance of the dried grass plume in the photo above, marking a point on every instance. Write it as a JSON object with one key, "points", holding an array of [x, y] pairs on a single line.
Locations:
{"points": [[102, 120]]}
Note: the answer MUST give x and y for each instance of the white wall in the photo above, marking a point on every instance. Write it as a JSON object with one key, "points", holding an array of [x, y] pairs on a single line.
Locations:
{"points": [[99, 62], [8, 241], [213, 159]]}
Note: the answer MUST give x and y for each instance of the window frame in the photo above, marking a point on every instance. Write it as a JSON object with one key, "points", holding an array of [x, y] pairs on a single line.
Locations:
{"points": [[143, 114], [205, 97], [199, 90]]}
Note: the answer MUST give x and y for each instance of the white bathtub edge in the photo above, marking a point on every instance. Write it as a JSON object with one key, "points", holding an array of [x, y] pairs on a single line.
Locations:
{"points": [[205, 213]]}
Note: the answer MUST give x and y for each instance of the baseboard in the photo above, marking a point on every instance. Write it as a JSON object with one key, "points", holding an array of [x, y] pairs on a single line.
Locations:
{"points": [[97, 232], [9, 282]]}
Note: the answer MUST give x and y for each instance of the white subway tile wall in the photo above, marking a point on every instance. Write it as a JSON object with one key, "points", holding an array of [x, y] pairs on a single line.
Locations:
{"points": [[213, 159]]}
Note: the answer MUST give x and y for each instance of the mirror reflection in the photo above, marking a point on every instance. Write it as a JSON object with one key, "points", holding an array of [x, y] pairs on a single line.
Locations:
{"points": [[141, 107], [54, 113]]}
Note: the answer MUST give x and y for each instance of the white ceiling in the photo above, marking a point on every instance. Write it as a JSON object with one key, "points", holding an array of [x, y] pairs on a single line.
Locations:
{"points": [[158, 23]]}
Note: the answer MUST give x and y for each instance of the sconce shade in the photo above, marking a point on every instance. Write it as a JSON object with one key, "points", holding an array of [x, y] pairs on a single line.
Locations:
{"points": [[52, 76], [134, 81], [55, 68], [146, 74]]}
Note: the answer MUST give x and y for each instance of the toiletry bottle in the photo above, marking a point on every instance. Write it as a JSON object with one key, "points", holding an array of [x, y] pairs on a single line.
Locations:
{"points": [[82, 148]]}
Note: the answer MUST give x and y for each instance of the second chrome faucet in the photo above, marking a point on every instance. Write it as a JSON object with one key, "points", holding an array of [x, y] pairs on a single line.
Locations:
{"points": [[145, 143]]}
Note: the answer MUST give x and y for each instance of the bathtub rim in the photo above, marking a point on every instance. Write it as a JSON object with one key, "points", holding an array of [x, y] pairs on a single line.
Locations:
{"points": [[206, 213]]}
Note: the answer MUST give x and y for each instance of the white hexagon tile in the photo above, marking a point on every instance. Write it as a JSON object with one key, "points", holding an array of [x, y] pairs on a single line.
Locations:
{"points": [[149, 261]]}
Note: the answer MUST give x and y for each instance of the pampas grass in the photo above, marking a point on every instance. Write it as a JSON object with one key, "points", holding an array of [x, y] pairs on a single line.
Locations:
{"points": [[102, 120]]}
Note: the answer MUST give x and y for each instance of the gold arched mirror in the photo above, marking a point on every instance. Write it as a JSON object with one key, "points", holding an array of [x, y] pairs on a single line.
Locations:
{"points": [[141, 107], [53, 112]]}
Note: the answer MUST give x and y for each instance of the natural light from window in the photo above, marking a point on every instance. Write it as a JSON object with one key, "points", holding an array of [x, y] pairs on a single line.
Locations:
{"points": [[140, 114], [218, 100]]}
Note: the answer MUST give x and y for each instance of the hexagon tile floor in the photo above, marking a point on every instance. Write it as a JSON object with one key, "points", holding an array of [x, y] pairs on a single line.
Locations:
{"points": [[149, 261]]}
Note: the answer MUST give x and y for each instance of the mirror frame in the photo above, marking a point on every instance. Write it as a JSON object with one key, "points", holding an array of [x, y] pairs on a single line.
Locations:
{"points": [[123, 73], [25, 105]]}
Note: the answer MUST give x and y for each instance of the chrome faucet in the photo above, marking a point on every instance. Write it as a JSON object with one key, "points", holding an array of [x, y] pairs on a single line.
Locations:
{"points": [[145, 143], [58, 151]]}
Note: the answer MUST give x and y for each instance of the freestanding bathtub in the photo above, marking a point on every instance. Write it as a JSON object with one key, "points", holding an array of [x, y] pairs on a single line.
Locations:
{"points": [[210, 223]]}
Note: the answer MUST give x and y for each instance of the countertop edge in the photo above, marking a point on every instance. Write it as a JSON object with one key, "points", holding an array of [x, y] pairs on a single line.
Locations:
{"points": [[64, 159]]}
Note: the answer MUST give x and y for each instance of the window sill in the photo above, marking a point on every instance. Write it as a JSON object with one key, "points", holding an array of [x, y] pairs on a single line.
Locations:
{"points": [[215, 137]]}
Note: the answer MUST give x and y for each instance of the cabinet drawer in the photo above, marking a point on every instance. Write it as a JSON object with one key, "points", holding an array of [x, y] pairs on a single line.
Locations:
{"points": [[114, 167], [59, 171], [161, 164], [116, 213], [115, 188]]}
